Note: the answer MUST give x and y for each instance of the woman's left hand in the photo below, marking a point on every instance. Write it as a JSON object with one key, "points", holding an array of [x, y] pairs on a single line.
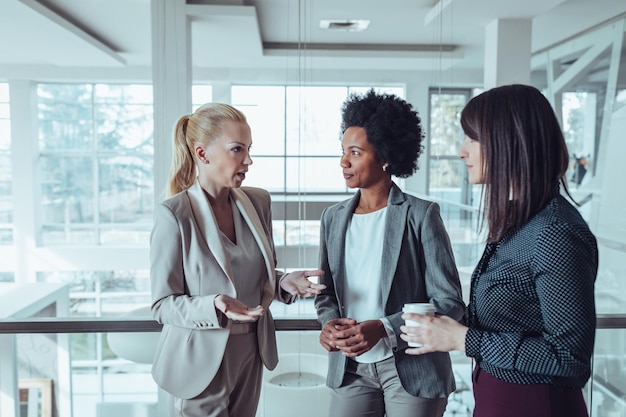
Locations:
{"points": [[436, 334], [298, 283]]}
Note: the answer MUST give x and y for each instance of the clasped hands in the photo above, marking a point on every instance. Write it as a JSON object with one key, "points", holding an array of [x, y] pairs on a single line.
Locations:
{"points": [[350, 337]]}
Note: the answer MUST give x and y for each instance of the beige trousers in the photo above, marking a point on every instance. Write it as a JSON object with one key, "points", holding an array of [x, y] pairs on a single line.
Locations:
{"points": [[235, 390]]}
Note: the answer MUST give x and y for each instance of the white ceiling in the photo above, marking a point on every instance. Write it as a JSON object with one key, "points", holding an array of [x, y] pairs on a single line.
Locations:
{"points": [[266, 33]]}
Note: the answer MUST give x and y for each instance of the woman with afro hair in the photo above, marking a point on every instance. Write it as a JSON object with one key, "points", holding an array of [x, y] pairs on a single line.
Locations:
{"points": [[379, 250]]}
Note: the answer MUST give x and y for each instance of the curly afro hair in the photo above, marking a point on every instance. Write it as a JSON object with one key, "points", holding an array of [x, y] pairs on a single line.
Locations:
{"points": [[392, 126]]}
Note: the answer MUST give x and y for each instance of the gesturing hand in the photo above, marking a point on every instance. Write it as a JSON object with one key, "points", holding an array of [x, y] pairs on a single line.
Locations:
{"points": [[298, 283], [236, 310]]}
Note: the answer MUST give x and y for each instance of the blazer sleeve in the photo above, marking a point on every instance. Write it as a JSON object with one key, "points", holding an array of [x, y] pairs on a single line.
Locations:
{"points": [[441, 276], [432, 255], [172, 303]]}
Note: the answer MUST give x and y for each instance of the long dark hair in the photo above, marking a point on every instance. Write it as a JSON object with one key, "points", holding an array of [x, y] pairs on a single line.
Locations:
{"points": [[524, 155]]}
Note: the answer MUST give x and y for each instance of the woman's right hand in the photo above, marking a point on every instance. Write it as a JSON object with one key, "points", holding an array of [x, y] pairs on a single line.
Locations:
{"points": [[236, 310], [328, 336], [435, 334]]}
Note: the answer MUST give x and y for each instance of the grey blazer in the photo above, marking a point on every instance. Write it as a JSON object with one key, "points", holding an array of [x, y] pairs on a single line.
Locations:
{"points": [[417, 266], [188, 269]]}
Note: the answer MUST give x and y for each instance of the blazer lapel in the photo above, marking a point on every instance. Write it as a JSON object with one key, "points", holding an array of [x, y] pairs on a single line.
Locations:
{"points": [[395, 227], [336, 246], [208, 226], [250, 215]]}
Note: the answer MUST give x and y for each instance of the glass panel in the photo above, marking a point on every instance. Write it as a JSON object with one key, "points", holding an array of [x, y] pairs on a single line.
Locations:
{"points": [[125, 194], [264, 107], [446, 135], [112, 371], [118, 236], [5, 110], [123, 93], [81, 187], [267, 173], [302, 232], [315, 175], [579, 127], [103, 293], [610, 289], [6, 235], [447, 176], [65, 117], [201, 94], [314, 120], [66, 190], [6, 201], [59, 235], [4, 92], [125, 127], [5, 135], [7, 277], [6, 167], [620, 98], [608, 384], [79, 282]]}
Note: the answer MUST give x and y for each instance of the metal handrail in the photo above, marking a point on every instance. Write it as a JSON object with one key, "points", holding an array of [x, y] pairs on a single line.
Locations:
{"points": [[116, 325], [125, 325]]}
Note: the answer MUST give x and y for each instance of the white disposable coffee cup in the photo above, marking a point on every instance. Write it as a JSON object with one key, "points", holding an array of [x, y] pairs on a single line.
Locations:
{"points": [[426, 309]]}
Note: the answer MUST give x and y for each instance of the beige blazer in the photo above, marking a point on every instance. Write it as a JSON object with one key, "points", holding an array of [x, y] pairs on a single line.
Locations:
{"points": [[188, 269]]}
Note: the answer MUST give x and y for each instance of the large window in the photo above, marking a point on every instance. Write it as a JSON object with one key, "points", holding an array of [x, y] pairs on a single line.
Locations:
{"points": [[446, 170], [448, 182], [95, 165], [579, 128], [296, 138], [295, 151], [6, 201], [201, 94]]}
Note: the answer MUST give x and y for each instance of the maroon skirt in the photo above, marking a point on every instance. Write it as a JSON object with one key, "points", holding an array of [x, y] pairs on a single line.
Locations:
{"points": [[496, 398]]}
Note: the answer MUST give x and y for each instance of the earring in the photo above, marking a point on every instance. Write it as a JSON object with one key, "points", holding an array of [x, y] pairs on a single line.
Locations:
{"points": [[385, 167]]}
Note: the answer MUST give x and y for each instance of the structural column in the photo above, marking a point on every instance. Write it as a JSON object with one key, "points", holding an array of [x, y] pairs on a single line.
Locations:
{"points": [[507, 52], [171, 80]]}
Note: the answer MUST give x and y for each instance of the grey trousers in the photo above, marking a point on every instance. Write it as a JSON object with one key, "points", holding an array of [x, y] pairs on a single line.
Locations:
{"points": [[236, 388], [374, 390]]}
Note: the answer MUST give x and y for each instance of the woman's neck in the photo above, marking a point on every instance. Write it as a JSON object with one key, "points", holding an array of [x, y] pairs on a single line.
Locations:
{"points": [[373, 199], [217, 196]]}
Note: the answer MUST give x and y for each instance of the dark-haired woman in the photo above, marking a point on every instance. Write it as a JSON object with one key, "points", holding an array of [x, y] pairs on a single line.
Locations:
{"points": [[531, 317], [379, 250]]}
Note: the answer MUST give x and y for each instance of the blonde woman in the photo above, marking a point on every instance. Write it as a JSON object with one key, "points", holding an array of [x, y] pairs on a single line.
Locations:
{"points": [[213, 271]]}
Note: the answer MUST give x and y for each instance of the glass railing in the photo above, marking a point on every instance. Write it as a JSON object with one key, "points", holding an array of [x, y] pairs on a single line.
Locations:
{"points": [[48, 364], [60, 364]]}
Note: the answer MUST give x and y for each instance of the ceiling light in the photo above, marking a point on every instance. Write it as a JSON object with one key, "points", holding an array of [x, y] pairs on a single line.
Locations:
{"points": [[348, 25]]}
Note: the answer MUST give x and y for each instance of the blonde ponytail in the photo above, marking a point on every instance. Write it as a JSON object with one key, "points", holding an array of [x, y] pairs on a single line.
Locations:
{"points": [[183, 170], [203, 126]]}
